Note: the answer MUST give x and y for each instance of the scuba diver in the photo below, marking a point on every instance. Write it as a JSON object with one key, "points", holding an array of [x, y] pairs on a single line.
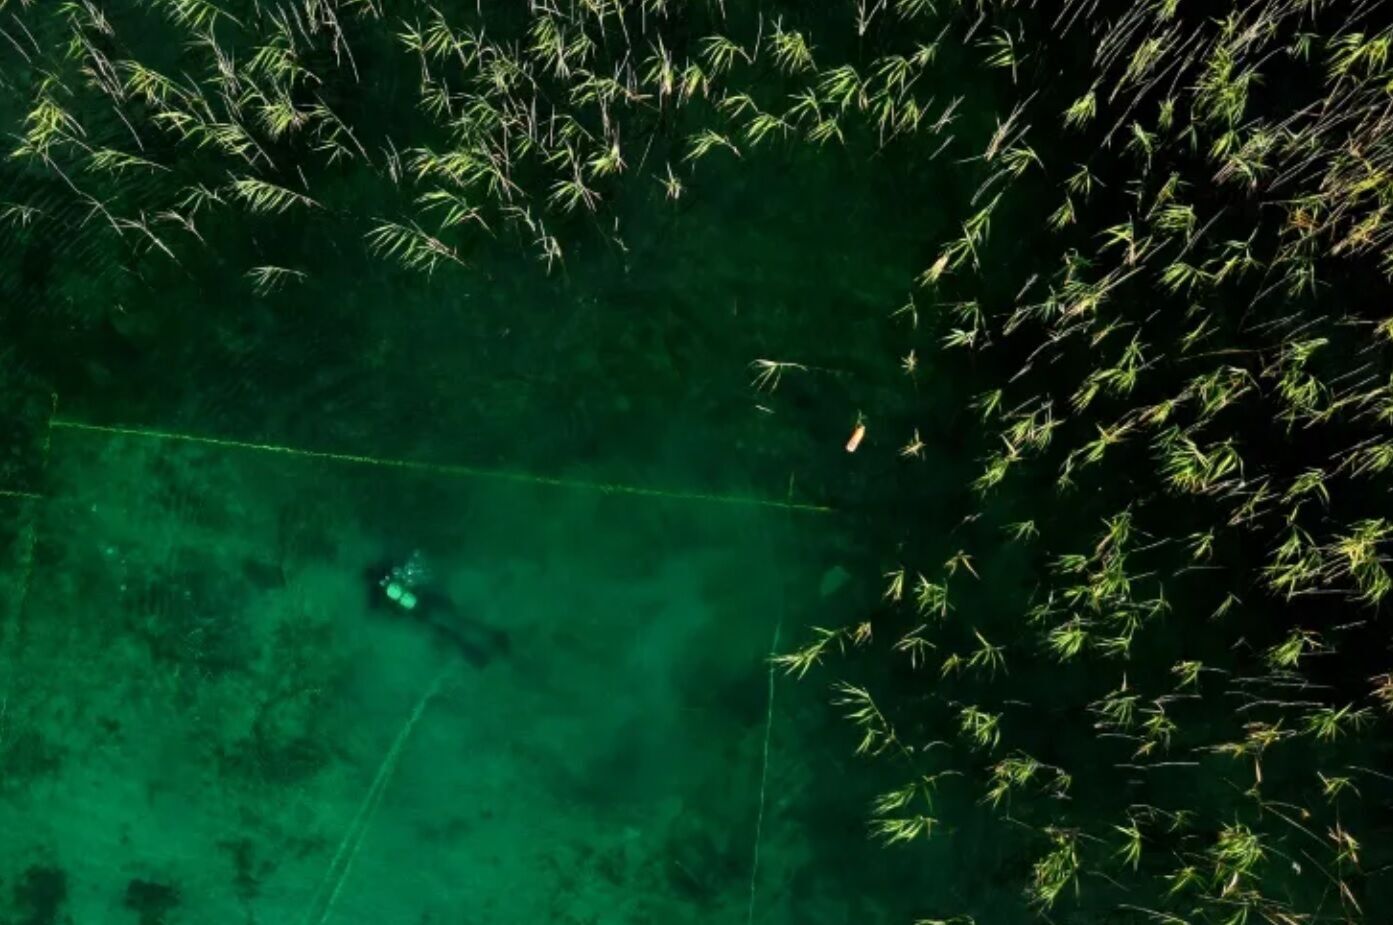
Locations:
{"points": [[406, 589], [401, 581]]}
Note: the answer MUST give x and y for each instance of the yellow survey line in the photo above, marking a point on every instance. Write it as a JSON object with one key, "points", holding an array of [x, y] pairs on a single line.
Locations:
{"points": [[43, 454], [442, 468], [30, 539], [30, 536], [48, 431]]}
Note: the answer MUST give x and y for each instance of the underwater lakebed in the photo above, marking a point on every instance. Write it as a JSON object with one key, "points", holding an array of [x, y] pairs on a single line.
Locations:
{"points": [[211, 709]]}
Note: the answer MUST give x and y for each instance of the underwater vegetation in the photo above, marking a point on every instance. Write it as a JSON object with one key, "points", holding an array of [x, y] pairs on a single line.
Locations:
{"points": [[1172, 687], [1148, 668]]}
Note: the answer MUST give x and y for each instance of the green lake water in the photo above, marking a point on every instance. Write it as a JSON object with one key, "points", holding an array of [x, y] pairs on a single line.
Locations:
{"points": [[210, 714], [205, 696], [578, 307], [203, 692]]}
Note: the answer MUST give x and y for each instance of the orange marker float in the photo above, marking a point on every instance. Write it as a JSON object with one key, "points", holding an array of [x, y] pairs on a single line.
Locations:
{"points": [[857, 435]]}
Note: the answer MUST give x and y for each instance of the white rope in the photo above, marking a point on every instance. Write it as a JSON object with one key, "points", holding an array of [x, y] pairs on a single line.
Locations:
{"points": [[329, 888], [764, 770]]}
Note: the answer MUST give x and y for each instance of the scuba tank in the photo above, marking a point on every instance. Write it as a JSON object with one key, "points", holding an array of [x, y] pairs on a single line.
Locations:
{"points": [[401, 582]]}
